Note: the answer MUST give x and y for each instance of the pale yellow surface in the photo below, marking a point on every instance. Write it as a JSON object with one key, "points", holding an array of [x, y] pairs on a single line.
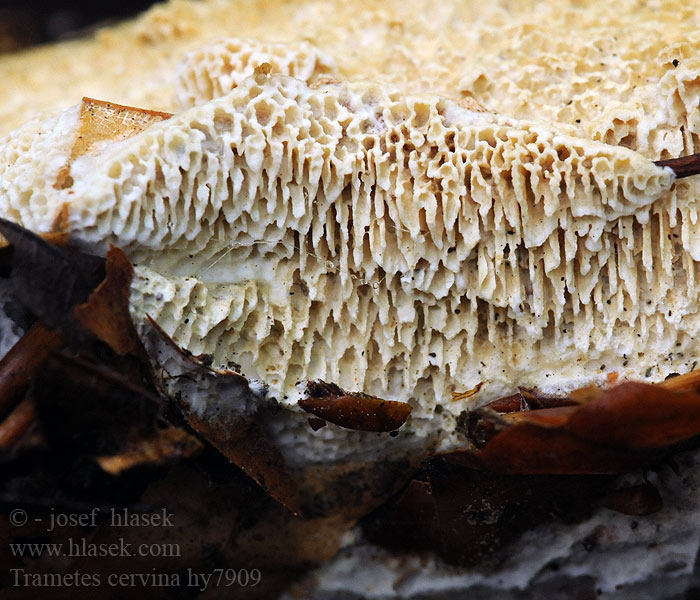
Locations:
{"points": [[401, 245], [606, 63], [535, 243]]}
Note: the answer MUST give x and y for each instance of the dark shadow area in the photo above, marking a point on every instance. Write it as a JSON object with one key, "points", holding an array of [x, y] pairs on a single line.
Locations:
{"points": [[25, 23]]}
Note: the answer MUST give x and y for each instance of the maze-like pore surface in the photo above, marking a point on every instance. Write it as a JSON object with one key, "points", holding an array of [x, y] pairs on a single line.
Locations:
{"points": [[218, 67], [398, 245]]}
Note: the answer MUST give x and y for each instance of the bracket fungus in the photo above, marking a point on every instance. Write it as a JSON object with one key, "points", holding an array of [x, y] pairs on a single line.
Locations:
{"points": [[399, 246], [454, 260]]}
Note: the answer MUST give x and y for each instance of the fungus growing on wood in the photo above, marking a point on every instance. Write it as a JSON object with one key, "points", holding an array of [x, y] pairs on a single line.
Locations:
{"points": [[398, 246], [358, 253]]}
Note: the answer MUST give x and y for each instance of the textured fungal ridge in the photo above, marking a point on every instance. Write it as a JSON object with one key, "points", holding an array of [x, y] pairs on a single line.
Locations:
{"points": [[217, 68], [30, 159], [401, 246], [626, 83]]}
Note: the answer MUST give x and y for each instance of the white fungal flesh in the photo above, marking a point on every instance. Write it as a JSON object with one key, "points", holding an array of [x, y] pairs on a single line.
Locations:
{"points": [[218, 67], [401, 246]]}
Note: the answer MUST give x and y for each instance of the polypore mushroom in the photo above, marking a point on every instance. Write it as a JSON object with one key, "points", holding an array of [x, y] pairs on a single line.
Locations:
{"points": [[356, 239], [398, 246]]}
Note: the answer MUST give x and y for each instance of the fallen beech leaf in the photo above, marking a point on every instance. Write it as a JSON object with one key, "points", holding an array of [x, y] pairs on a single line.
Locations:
{"points": [[166, 445], [107, 121], [544, 417], [102, 121], [106, 313], [353, 410], [514, 403], [638, 415], [233, 432], [482, 424], [536, 399], [49, 280], [638, 500], [526, 400], [689, 382], [586, 394], [479, 426], [615, 429], [57, 238], [525, 448], [247, 446]]}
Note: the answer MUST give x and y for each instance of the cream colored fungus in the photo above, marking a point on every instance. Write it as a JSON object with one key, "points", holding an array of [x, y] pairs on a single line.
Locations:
{"points": [[395, 239], [403, 246]]}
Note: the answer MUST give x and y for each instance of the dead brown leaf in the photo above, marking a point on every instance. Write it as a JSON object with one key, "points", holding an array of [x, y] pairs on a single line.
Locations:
{"points": [[525, 448], [638, 415], [608, 431], [101, 122], [353, 410], [106, 313], [247, 446], [48, 280]]}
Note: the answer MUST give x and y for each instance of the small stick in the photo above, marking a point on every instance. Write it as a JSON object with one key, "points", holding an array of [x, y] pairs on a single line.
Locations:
{"points": [[686, 166], [16, 424], [22, 362]]}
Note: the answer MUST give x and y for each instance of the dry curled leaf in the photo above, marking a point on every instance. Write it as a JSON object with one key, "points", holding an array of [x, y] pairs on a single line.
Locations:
{"points": [[526, 400], [237, 435], [607, 431], [49, 280], [101, 122], [638, 415], [535, 459], [524, 448], [353, 410], [106, 313], [246, 445]]}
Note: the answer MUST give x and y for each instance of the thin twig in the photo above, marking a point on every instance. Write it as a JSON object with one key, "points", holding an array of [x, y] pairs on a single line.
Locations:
{"points": [[21, 363], [686, 166], [16, 424]]}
